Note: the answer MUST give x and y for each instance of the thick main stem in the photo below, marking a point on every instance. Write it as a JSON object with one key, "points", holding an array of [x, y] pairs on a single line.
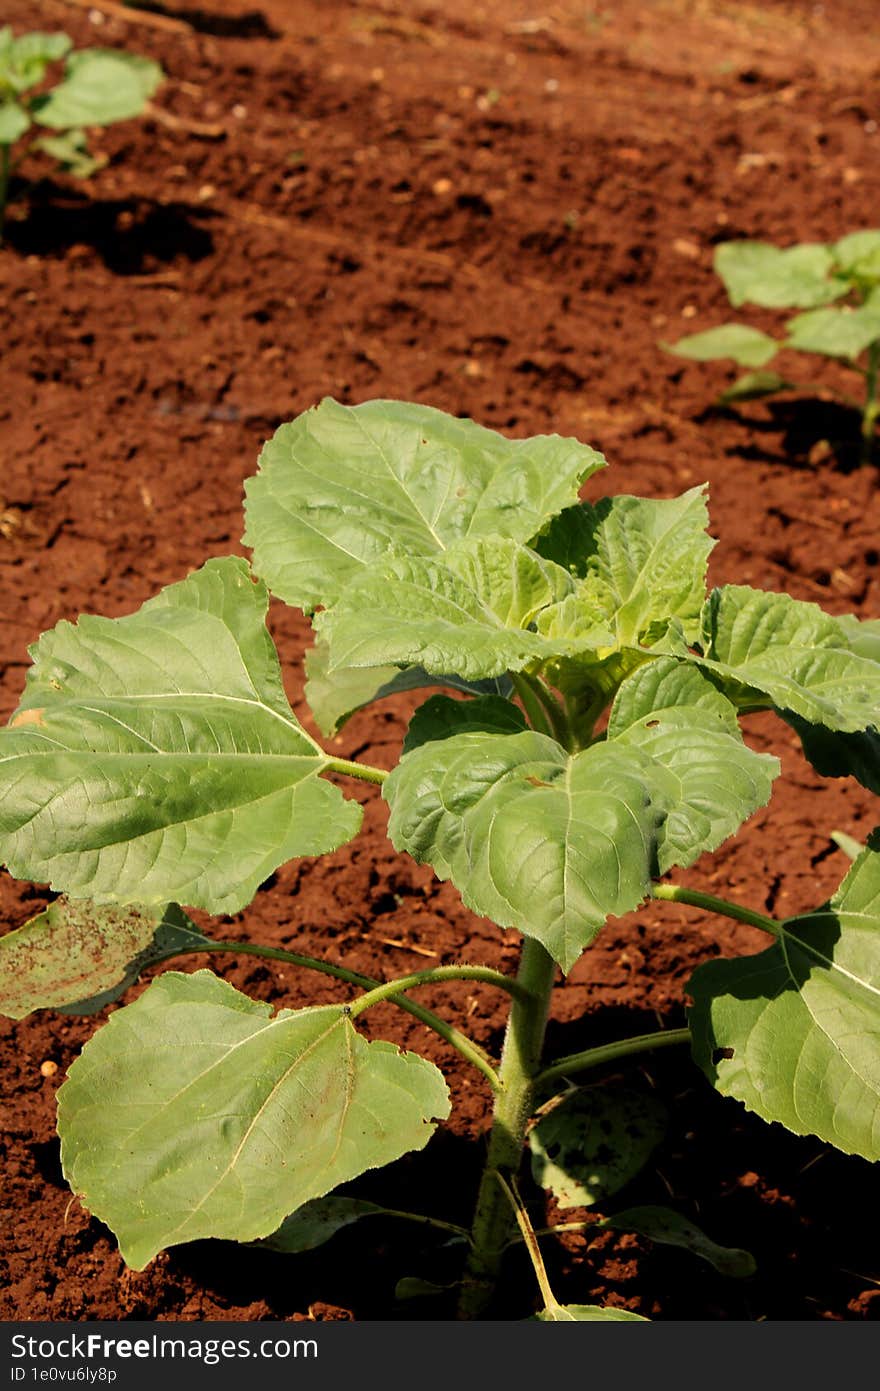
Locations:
{"points": [[494, 1220]]}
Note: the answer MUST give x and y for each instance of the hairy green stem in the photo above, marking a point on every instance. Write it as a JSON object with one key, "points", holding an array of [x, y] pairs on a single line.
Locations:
{"points": [[543, 709], [610, 1052], [457, 1040], [514, 1103], [364, 771], [432, 975], [676, 893], [871, 411]]}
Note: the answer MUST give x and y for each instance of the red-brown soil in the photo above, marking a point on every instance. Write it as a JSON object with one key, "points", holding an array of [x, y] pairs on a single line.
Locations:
{"points": [[497, 208]]}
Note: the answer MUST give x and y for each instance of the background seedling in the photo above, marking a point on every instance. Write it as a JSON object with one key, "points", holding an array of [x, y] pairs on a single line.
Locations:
{"points": [[98, 87], [839, 288], [592, 744]]}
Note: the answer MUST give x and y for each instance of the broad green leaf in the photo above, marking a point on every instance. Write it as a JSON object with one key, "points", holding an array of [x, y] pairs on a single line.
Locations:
{"points": [[753, 385], [675, 714], [798, 277], [840, 755], [23, 61], [531, 837], [100, 86], [669, 1228], [748, 347], [156, 756], [793, 654], [836, 332], [794, 1032], [468, 612], [316, 1222], [587, 1313], [335, 696], [551, 843], [641, 562], [196, 1113], [858, 255], [70, 148], [594, 1142], [14, 121], [342, 485]]}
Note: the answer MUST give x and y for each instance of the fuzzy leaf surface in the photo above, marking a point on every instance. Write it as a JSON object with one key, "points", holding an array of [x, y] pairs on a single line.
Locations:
{"points": [[802, 1019], [794, 654], [100, 86], [747, 346], [797, 277], [552, 843], [673, 712], [196, 1113], [156, 756], [342, 485], [641, 562], [467, 613]]}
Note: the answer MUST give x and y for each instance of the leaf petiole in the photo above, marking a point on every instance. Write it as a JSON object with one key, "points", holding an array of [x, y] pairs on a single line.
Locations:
{"points": [[694, 898], [609, 1052]]}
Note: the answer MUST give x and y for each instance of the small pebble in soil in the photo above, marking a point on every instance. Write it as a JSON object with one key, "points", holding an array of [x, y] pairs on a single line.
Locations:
{"points": [[48, 1068]]}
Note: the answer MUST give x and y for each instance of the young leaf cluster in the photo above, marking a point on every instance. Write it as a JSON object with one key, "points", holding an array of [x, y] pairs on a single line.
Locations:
{"points": [[838, 288], [98, 87], [588, 742]]}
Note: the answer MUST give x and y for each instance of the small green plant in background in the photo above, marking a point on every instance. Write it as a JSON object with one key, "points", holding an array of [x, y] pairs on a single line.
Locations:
{"points": [[98, 87], [839, 288], [590, 745]]}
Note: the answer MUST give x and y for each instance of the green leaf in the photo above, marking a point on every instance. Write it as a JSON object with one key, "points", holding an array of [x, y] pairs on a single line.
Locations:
{"points": [[469, 613], [71, 952], [794, 1032], [641, 562], [553, 844], [835, 332], [594, 1142], [316, 1222], [23, 61], [669, 1228], [797, 277], [858, 255], [71, 150], [14, 121], [195, 1113], [100, 86], [335, 696], [531, 837], [156, 756], [587, 1313], [753, 385], [342, 485], [747, 346], [840, 755], [440, 718], [675, 714], [851, 848], [793, 654]]}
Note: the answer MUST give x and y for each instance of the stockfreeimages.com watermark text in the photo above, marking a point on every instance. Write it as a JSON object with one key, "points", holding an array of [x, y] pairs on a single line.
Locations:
{"points": [[98, 1347]]}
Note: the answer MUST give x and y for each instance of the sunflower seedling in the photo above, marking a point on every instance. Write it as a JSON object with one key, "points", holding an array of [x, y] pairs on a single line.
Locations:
{"points": [[590, 743], [838, 287], [98, 86]]}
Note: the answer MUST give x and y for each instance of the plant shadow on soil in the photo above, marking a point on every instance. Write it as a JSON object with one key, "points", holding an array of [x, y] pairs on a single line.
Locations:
{"points": [[253, 24], [807, 426], [132, 236]]}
